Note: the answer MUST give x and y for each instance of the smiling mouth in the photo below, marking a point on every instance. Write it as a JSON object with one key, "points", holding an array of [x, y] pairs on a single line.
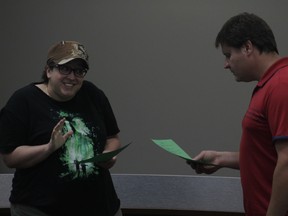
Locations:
{"points": [[69, 85]]}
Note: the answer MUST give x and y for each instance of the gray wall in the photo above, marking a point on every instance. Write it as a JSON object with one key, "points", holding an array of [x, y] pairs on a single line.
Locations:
{"points": [[156, 61]]}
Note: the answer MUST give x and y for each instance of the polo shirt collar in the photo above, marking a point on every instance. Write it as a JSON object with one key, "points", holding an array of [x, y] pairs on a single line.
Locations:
{"points": [[283, 62]]}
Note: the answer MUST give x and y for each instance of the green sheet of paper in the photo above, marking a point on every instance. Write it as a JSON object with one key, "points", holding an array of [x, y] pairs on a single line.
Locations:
{"points": [[170, 146], [104, 156]]}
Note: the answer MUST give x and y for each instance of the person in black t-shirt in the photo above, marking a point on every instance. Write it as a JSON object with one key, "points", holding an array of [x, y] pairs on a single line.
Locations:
{"points": [[47, 130]]}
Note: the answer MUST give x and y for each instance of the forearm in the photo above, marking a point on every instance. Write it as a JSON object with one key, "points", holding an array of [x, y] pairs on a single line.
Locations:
{"points": [[112, 143], [278, 205], [228, 159], [26, 156]]}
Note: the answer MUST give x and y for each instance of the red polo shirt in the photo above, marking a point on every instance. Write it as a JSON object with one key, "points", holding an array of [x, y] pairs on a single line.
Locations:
{"points": [[265, 121]]}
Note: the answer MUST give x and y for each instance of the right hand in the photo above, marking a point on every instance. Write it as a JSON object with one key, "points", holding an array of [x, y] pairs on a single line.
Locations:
{"points": [[209, 157], [57, 138]]}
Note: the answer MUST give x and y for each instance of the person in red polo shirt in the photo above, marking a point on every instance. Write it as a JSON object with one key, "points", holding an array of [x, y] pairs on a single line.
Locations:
{"points": [[251, 54]]}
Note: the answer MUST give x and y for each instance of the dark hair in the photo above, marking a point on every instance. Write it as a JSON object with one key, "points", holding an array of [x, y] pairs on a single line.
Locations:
{"points": [[247, 26], [50, 65]]}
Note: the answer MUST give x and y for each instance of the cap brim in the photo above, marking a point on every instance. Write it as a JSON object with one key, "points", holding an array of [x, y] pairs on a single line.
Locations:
{"points": [[64, 61]]}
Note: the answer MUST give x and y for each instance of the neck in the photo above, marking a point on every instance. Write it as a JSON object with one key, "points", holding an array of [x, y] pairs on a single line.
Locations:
{"points": [[47, 90]]}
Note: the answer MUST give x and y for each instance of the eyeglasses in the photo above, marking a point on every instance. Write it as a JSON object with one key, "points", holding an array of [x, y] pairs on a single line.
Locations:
{"points": [[65, 70]]}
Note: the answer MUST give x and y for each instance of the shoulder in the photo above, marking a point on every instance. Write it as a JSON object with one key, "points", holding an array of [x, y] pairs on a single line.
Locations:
{"points": [[19, 101], [90, 88], [89, 85], [91, 92], [24, 92], [280, 66]]}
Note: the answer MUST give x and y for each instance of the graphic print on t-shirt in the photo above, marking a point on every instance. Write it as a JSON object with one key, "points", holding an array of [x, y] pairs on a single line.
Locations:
{"points": [[77, 148]]}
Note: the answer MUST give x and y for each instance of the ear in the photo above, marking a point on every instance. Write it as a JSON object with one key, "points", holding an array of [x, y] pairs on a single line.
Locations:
{"points": [[48, 72], [247, 47]]}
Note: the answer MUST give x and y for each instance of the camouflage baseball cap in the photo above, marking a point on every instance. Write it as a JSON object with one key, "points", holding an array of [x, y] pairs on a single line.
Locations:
{"points": [[65, 51]]}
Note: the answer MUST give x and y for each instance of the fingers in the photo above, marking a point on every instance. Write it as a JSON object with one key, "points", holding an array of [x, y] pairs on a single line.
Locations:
{"points": [[108, 164], [58, 129], [59, 126], [198, 167], [204, 162], [193, 164], [57, 137], [201, 156], [67, 135]]}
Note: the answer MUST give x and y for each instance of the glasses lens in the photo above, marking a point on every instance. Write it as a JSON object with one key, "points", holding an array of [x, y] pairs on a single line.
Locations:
{"points": [[64, 70], [80, 72]]}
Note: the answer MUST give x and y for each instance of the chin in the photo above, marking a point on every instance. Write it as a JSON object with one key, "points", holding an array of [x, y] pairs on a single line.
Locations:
{"points": [[237, 79], [67, 95]]}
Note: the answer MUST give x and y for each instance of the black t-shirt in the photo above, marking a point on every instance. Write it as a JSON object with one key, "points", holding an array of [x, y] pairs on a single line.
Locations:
{"points": [[61, 184]]}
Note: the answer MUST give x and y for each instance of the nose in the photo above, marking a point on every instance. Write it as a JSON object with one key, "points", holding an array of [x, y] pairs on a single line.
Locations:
{"points": [[226, 65], [71, 75]]}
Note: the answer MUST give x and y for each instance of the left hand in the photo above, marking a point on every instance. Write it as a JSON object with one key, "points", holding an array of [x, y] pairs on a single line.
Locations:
{"points": [[108, 164]]}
